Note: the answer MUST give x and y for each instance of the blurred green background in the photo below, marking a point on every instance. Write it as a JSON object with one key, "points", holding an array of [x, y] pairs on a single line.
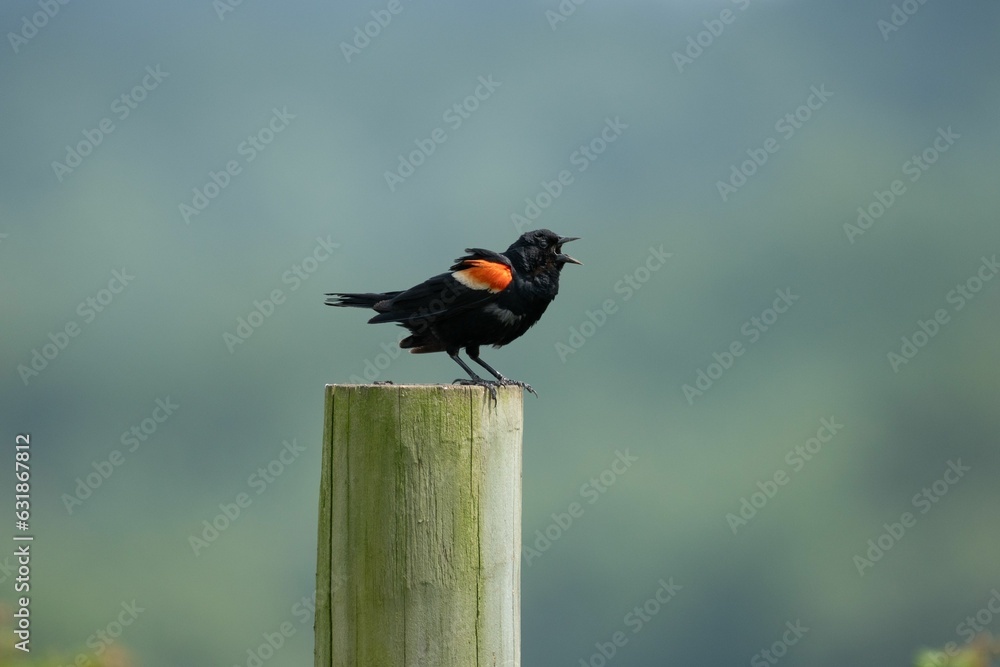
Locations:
{"points": [[346, 114]]}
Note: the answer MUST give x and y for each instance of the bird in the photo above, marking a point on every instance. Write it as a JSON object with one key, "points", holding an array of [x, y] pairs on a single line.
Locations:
{"points": [[486, 298]]}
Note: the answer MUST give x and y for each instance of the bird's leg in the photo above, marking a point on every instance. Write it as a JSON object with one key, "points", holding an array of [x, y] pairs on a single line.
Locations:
{"points": [[473, 353], [475, 379]]}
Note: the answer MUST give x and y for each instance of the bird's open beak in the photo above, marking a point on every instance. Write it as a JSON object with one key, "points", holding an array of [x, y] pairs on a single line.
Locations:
{"points": [[564, 258]]}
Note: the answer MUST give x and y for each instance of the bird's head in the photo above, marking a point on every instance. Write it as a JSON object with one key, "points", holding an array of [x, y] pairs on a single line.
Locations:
{"points": [[540, 250]]}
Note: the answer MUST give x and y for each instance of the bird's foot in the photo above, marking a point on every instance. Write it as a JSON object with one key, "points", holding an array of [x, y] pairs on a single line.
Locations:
{"points": [[382, 382], [518, 383], [490, 385]]}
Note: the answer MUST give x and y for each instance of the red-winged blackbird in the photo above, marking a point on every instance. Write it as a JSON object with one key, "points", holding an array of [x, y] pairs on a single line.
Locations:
{"points": [[488, 298]]}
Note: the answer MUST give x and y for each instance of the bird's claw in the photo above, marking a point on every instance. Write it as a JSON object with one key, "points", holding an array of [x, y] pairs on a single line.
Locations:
{"points": [[518, 383], [490, 386]]}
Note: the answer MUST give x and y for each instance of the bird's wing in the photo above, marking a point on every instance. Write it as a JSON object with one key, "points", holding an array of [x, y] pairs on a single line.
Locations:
{"points": [[483, 270], [475, 279]]}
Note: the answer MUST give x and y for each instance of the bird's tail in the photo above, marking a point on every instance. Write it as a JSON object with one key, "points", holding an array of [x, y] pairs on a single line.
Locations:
{"points": [[359, 300]]}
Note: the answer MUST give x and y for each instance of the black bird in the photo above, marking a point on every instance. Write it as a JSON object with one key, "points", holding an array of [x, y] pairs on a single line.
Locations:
{"points": [[487, 298]]}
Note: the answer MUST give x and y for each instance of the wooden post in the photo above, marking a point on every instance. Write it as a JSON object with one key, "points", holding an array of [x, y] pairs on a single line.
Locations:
{"points": [[419, 527]]}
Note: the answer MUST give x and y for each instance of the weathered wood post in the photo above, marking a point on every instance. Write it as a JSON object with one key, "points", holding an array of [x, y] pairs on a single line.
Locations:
{"points": [[419, 527]]}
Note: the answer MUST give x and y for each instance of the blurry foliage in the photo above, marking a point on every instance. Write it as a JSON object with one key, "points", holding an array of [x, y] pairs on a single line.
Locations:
{"points": [[114, 656], [980, 653]]}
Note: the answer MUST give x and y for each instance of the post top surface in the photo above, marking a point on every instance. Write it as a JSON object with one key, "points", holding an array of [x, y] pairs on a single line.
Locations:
{"points": [[447, 387]]}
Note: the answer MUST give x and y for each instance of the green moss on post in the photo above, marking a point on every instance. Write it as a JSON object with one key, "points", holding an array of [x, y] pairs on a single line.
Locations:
{"points": [[419, 527]]}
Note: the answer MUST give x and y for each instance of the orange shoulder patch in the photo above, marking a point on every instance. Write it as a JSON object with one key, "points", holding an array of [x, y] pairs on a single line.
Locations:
{"points": [[483, 274]]}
